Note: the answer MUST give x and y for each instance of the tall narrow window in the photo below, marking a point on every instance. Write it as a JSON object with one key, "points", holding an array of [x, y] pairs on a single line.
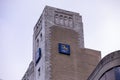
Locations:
{"points": [[56, 19], [36, 27], [66, 21], [41, 36], [38, 72], [37, 44], [70, 22], [61, 20]]}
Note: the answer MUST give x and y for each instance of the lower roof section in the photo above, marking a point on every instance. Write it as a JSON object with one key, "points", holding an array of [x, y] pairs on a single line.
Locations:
{"points": [[108, 62]]}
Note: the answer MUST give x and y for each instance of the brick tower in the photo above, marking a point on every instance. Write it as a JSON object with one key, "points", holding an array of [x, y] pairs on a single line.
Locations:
{"points": [[58, 47]]}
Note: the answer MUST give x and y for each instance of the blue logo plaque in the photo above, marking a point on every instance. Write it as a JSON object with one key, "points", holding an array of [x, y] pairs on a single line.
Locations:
{"points": [[38, 55], [64, 48]]}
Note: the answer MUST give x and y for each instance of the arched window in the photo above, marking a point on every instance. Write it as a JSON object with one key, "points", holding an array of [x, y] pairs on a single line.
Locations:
{"points": [[70, 22], [56, 19], [61, 20], [66, 20]]}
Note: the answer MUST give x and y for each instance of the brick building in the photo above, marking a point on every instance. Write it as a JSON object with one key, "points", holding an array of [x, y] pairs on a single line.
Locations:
{"points": [[58, 47]]}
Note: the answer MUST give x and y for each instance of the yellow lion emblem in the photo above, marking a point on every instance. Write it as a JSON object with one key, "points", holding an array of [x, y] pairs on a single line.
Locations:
{"points": [[64, 47]]}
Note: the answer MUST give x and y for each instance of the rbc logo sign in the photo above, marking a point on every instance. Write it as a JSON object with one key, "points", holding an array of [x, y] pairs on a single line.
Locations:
{"points": [[64, 48], [38, 55]]}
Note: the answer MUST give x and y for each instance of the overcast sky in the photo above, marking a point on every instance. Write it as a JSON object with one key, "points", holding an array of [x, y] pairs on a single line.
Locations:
{"points": [[101, 20]]}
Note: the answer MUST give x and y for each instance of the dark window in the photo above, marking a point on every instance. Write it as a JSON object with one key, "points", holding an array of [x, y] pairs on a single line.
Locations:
{"points": [[37, 43], [41, 36], [39, 72]]}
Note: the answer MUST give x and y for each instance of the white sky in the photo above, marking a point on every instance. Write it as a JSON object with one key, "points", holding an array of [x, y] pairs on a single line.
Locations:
{"points": [[101, 19]]}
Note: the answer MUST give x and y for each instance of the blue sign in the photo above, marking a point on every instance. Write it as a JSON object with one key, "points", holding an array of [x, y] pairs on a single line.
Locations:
{"points": [[64, 48], [38, 55]]}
